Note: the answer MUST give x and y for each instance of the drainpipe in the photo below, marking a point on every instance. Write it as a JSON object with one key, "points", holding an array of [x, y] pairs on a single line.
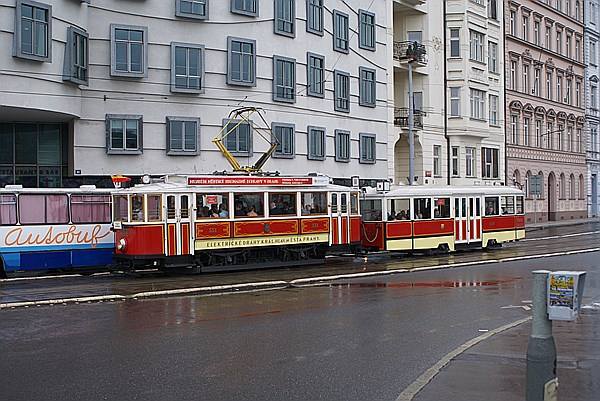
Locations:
{"points": [[448, 155]]}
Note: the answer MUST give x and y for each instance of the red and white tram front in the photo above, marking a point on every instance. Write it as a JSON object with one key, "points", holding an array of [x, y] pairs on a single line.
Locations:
{"points": [[233, 222]]}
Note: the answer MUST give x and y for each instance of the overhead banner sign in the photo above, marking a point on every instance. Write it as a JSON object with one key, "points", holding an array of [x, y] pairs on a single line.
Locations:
{"points": [[248, 181]]}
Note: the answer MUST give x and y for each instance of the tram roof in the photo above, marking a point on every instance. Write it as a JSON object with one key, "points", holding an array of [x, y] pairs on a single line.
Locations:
{"points": [[407, 191], [237, 183], [83, 189]]}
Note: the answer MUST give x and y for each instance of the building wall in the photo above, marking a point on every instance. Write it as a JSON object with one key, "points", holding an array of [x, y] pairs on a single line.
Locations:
{"points": [[35, 90], [559, 155], [592, 104]]}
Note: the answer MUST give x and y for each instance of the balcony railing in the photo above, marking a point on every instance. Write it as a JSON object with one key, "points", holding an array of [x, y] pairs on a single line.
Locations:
{"points": [[401, 117], [410, 52]]}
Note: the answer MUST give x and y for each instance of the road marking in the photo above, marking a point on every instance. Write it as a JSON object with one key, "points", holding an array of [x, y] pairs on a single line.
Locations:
{"points": [[409, 393], [525, 307]]}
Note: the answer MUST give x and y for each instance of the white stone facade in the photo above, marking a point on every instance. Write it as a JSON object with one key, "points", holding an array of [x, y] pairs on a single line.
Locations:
{"points": [[592, 104]]}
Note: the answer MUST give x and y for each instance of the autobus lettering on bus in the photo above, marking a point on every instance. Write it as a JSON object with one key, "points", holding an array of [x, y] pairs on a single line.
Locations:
{"points": [[92, 235]]}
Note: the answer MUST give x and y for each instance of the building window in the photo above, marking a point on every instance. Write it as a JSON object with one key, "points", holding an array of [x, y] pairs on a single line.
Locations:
{"points": [[568, 45], [526, 121], [525, 31], [526, 85], [549, 137], [477, 104], [513, 129], [437, 151], [548, 36], [129, 51], [284, 80], [593, 57], [470, 158], [512, 75], [187, 68], [285, 134], [183, 135], [123, 134], [489, 163], [493, 9], [558, 41], [492, 57], [245, 7], [342, 146], [578, 94], [285, 17], [367, 148], [536, 82], [455, 161], [579, 140], [454, 42], [536, 33], [316, 143], [476, 42], [455, 101], [367, 87], [241, 61], [513, 17], [341, 91], [340, 32], [594, 97], [197, 9], [238, 137], [314, 12], [75, 67], [559, 96], [33, 31], [366, 31], [577, 50], [315, 75], [493, 110], [538, 133], [549, 85], [568, 97]]}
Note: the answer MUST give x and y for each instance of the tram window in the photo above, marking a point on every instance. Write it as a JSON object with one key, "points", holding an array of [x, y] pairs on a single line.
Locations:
{"points": [[90, 208], [354, 203], [154, 207], [520, 205], [441, 210], [398, 209], [477, 207], [8, 209], [334, 203], [313, 202], [207, 205], [185, 206], [464, 207], [282, 204], [43, 209], [120, 208], [422, 208], [491, 206], [250, 205], [170, 206], [344, 203], [371, 209], [457, 207], [508, 204], [137, 208]]}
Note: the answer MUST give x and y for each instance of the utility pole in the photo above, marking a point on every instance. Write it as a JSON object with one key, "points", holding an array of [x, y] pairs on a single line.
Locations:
{"points": [[411, 123]]}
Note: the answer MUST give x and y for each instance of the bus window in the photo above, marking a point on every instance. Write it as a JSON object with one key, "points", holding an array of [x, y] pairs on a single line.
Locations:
{"points": [[282, 204], [441, 209], [137, 208], [371, 209], [313, 202], [8, 209], [422, 208], [334, 206], [120, 208], [344, 203], [491, 206], [90, 208], [520, 207], [508, 204], [43, 209], [154, 207], [250, 205], [354, 203], [185, 206], [398, 209]]}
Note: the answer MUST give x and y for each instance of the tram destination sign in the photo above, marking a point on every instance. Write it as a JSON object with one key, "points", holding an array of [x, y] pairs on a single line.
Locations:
{"points": [[262, 181]]}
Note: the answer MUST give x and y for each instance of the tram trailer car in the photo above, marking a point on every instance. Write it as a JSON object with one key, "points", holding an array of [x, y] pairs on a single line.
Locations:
{"points": [[233, 222], [409, 218], [67, 229]]}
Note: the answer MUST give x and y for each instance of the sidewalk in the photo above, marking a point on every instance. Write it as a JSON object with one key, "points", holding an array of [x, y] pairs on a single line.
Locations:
{"points": [[494, 369], [549, 224]]}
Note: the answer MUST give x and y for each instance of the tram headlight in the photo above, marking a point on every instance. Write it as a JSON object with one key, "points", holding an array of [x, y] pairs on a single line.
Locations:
{"points": [[122, 245]]}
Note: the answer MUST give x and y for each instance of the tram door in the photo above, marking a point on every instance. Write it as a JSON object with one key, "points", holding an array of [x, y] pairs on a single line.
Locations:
{"points": [[340, 218], [178, 224], [467, 219]]}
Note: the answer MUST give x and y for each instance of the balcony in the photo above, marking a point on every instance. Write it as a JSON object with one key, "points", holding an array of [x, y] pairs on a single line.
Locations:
{"points": [[410, 3], [401, 118], [410, 52]]}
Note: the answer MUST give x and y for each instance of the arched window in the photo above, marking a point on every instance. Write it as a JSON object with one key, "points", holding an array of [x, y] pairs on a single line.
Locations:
{"points": [[572, 189], [517, 179], [561, 187], [581, 187], [527, 187]]}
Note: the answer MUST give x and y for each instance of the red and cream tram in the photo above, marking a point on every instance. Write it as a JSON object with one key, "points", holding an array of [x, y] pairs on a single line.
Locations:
{"points": [[233, 222], [409, 218]]}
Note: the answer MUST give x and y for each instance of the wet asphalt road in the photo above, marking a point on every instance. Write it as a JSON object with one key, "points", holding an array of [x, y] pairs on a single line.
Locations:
{"points": [[361, 339]]}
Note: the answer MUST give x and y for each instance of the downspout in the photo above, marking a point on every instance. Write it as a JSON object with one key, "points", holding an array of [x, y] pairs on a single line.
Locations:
{"points": [[448, 155]]}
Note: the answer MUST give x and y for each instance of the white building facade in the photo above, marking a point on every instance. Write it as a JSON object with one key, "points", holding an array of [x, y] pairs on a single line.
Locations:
{"points": [[90, 88], [592, 107]]}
